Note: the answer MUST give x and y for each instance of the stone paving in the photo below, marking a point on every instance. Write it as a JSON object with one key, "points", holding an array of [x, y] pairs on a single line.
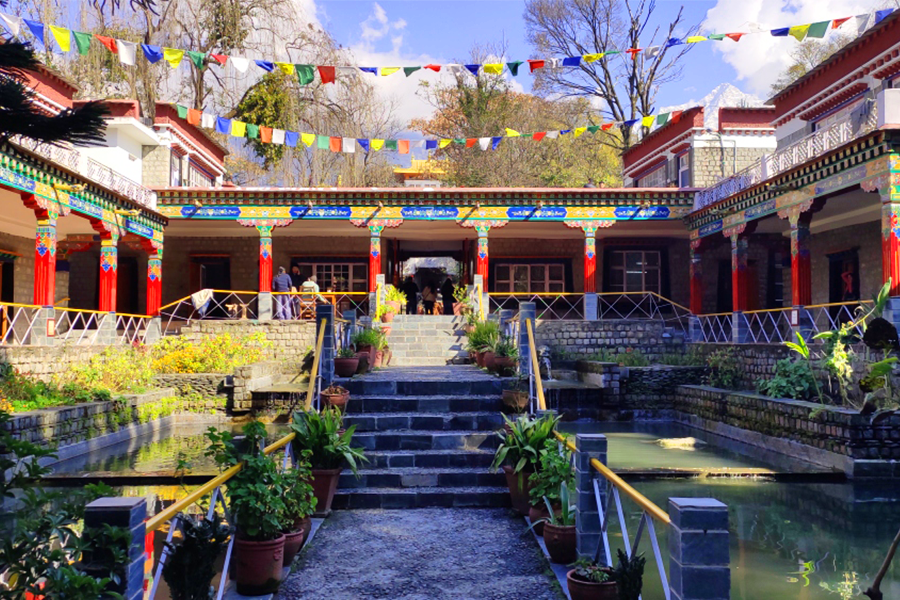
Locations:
{"points": [[426, 554], [428, 373]]}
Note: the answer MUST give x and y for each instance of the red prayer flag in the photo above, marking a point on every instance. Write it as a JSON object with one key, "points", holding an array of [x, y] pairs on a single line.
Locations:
{"points": [[538, 136], [265, 134], [674, 116], [221, 59], [633, 52], [734, 36], [435, 68], [403, 146], [327, 75], [109, 42], [838, 22], [335, 142], [535, 65], [606, 126], [470, 142], [193, 116]]}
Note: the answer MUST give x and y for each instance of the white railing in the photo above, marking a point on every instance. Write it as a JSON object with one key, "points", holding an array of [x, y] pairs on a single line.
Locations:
{"points": [[25, 324], [220, 305], [73, 159], [801, 151], [547, 306]]}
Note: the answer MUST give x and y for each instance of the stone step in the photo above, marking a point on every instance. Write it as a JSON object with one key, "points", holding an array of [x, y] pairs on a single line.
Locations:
{"points": [[476, 384], [398, 498], [422, 404], [417, 361], [418, 478], [405, 318], [428, 459], [467, 421], [404, 439]]}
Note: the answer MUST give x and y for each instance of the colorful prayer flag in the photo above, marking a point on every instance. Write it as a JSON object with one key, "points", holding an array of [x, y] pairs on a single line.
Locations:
{"points": [[589, 58], [335, 143], [238, 128], [62, 36], [513, 67], [403, 146], [193, 115], [444, 143], [838, 22], [109, 42], [127, 52], [571, 61], [512, 133], [290, 138], [82, 42], [798, 32], [327, 74], [37, 30], [252, 131], [377, 144], [734, 36], [363, 143], [371, 70], [495, 141], [265, 65], [308, 139], [181, 110], [240, 64], [265, 134], [153, 54], [818, 30], [173, 56], [286, 68], [471, 142], [390, 145], [219, 59], [473, 69], [278, 136], [385, 71], [435, 68], [693, 39], [198, 59], [12, 23], [305, 74], [348, 145], [579, 131], [534, 65], [539, 135], [493, 68], [223, 125], [406, 71]]}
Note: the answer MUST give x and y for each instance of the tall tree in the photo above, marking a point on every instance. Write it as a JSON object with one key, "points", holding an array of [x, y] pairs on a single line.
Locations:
{"points": [[626, 86], [806, 56]]}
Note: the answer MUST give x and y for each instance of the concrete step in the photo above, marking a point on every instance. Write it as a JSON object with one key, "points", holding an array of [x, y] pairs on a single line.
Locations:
{"points": [[463, 421], [428, 459], [478, 385], [398, 498], [418, 361], [422, 404], [419, 478], [405, 439]]}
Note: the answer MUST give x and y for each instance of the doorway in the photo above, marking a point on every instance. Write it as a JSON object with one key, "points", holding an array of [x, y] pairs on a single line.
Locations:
{"points": [[724, 298], [210, 272], [126, 285]]}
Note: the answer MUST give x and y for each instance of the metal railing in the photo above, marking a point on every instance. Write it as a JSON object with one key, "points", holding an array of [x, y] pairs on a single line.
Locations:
{"points": [[855, 125], [555, 306], [315, 377], [26, 324], [302, 305], [220, 305], [642, 305]]}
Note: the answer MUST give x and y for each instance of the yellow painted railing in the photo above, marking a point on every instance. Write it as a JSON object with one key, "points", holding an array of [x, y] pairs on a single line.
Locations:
{"points": [[317, 358], [535, 366]]}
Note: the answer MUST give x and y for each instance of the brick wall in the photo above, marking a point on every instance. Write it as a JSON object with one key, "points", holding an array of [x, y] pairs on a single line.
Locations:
{"points": [[867, 238], [23, 269], [155, 165], [710, 165], [45, 362], [584, 338], [290, 339]]}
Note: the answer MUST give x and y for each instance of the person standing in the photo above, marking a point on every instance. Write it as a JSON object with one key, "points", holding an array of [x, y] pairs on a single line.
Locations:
{"points": [[282, 283], [296, 284], [429, 295], [412, 292], [447, 296]]}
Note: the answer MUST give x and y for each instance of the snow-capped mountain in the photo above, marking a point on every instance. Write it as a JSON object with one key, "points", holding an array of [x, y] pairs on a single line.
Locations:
{"points": [[723, 94]]}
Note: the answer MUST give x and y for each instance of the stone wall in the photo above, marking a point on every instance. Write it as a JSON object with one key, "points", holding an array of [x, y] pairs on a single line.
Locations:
{"points": [[655, 387], [23, 266], [46, 362], [206, 385], [156, 166], [257, 376], [291, 340], [866, 237], [711, 165], [578, 339], [756, 361]]}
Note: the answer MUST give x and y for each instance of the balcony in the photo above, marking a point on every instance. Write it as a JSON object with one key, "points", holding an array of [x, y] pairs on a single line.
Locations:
{"points": [[71, 158], [801, 151]]}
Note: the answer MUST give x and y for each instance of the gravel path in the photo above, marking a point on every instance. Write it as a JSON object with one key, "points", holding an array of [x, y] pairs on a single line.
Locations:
{"points": [[425, 554]]}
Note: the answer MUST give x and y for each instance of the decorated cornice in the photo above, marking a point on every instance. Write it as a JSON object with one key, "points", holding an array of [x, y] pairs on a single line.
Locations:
{"points": [[24, 172], [863, 162]]}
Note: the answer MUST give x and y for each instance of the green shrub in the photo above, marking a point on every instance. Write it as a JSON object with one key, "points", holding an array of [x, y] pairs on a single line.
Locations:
{"points": [[483, 337], [370, 336], [215, 354], [633, 357], [724, 369], [691, 358], [118, 369], [20, 393], [792, 379]]}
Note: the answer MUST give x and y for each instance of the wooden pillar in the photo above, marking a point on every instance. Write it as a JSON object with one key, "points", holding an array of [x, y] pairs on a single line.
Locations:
{"points": [[739, 276], [109, 271], [154, 276], [696, 304], [482, 256], [890, 243], [801, 272], [590, 260], [374, 254], [265, 257]]}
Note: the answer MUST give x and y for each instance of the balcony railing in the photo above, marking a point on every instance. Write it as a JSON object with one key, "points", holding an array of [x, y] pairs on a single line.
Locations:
{"points": [[801, 151], [73, 159]]}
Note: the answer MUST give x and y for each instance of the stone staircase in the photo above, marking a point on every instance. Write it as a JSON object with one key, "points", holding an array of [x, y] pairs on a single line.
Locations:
{"points": [[419, 340], [428, 434]]}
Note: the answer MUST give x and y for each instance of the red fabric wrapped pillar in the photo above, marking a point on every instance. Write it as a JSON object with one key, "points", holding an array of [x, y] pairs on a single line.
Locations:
{"points": [[265, 257], [481, 267], [374, 254], [739, 276], [45, 262], [590, 260], [154, 284], [696, 304], [801, 271], [890, 245], [109, 271]]}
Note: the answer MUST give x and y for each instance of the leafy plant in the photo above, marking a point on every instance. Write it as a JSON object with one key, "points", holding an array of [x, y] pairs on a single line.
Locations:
{"points": [[802, 348], [320, 434], [392, 294], [214, 354], [506, 347], [691, 358], [555, 472], [370, 336], [346, 352], [629, 574], [724, 369], [22, 393], [792, 379], [564, 517], [191, 564], [483, 337], [334, 390], [460, 294], [589, 570], [299, 499], [525, 442], [633, 357], [384, 309], [118, 369]]}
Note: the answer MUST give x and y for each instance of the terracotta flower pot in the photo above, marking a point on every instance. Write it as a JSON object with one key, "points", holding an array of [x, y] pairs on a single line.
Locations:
{"points": [[258, 565], [379, 357], [388, 354], [518, 488], [473, 357], [386, 329], [504, 363], [515, 400], [561, 543], [468, 328], [324, 483], [393, 304], [293, 541], [580, 589], [304, 526], [536, 513], [363, 362], [387, 317], [338, 400], [346, 367], [489, 360], [479, 359], [458, 308]]}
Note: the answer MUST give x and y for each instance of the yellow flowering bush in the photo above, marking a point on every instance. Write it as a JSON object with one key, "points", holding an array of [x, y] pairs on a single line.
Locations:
{"points": [[5, 406], [216, 354], [118, 369]]}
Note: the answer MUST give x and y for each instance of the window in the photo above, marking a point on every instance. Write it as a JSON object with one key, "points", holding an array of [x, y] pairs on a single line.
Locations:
{"points": [[839, 115], [529, 279], [634, 271], [338, 277], [684, 170], [656, 178], [198, 177], [175, 170]]}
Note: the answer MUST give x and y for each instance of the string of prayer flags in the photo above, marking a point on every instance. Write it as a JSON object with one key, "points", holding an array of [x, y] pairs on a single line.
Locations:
{"points": [[62, 37]]}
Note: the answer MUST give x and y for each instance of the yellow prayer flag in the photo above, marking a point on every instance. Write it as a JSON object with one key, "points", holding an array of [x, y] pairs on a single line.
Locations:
{"points": [[238, 128], [799, 31], [493, 69], [62, 37], [385, 71], [287, 68], [693, 39], [579, 131], [173, 56], [648, 121], [592, 57], [376, 144], [512, 133], [444, 143], [308, 138]]}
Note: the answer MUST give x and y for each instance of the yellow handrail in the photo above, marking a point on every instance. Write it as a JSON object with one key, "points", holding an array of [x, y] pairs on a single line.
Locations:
{"points": [[179, 301], [118, 314], [831, 304], [157, 520], [641, 500], [315, 366], [535, 366]]}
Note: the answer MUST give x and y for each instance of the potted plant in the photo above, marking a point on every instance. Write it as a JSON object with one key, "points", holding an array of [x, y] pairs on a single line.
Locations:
{"points": [[330, 451], [559, 529], [335, 396], [394, 298], [629, 575], [482, 338], [300, 503], [461, 301], [519, 453], [554, 473], [506, 355], [256, 494], [371, 341], [590, 581], [386, 312], [471, 321], [191, 564], [346, 362], [517, 398]]}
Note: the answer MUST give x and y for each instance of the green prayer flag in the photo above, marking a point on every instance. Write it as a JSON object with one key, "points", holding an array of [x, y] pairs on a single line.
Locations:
{"points": [[526, 135], [459, 140], [608, 52], [594, 128], [83, 41], [410, 70], [305, 75], [662, 118], [718, 37], [390, 144], [818, 30], [198, 58], [182, 111], [323, 142], [514, 67], [252, 131]]}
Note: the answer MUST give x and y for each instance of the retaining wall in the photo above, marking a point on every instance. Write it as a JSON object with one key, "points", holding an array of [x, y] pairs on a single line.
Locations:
{"points": [[46, 362], [580, 339], [291, 340]]}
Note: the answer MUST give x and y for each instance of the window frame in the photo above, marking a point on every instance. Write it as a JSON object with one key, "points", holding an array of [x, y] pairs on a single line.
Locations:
{"points": [[508, 285], [353, 268], [623, 287]]}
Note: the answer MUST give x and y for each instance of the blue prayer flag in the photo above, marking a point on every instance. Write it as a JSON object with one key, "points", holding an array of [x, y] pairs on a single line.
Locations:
{"points": [[881, 14], [565, 131], [372, 70], [473, 69], [431, 144], [290, 138], [37, 28], [265, 65], [571, 61], [223, 125], [363, 143], [781, 32], [674, 42], [495, 141], [152, 53]]}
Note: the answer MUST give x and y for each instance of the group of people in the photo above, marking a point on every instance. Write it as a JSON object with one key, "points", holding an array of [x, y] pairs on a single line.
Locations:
{"points": [[430, 293], [290, 307]]}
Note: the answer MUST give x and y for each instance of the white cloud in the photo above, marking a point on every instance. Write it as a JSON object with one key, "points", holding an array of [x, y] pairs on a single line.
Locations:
{"points": [[759, 58], [377, 26]]}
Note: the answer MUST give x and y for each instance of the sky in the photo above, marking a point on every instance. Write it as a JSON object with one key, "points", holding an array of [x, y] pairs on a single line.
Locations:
{"points": [[410, 32]]}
